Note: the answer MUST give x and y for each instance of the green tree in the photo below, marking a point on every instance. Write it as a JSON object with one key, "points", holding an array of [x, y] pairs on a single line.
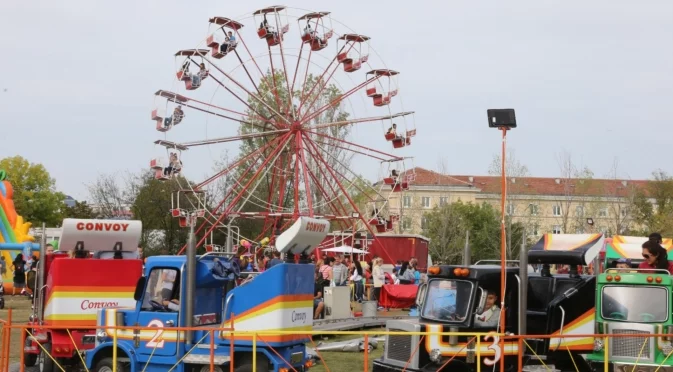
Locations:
{"points": [[79, 210], [276, 108], [35, 195], [653, 206], [446, 227]]}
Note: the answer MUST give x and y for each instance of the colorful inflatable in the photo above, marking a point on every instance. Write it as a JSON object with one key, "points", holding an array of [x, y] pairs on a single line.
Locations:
{"points": [[14, 236]]}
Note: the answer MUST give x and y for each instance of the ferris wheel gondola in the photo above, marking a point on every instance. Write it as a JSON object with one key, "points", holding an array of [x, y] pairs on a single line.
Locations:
{"points": [[300, 126]]}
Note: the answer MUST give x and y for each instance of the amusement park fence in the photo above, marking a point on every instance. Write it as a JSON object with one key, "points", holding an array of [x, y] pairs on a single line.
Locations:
{"points": [[258, 340]]}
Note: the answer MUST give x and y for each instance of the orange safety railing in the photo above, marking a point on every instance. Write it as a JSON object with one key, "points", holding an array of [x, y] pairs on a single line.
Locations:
{"points": [[259, 339]]}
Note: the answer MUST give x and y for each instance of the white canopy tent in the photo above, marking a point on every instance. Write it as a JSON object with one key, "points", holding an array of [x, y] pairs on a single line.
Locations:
{"points": [[344, 249]]}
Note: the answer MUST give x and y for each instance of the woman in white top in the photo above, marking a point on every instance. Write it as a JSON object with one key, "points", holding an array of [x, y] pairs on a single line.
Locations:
{"points": [[379, 278], [356, 279]]}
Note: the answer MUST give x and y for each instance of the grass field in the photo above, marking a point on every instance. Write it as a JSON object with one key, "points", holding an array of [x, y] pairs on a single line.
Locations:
{"points": [[335, 361]]}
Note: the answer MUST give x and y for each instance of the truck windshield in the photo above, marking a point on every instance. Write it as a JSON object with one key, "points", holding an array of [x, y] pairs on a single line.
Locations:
{"points": [[635, 304], [448, 300]]}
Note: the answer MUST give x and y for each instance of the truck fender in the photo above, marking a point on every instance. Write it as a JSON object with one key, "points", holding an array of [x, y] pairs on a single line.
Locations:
{"points": [[105, 350]]}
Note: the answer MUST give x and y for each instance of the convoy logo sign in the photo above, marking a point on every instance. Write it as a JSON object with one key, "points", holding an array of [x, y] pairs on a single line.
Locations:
{"points": [[91, 305], [315, 227], [102, 226]]}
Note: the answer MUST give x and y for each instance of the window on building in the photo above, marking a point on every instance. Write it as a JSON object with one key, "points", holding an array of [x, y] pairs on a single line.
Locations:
{"points": [[443, 200], [406, 223], [603, 212], [406, 201], [536, 229], [579, 211], [424, 222], [556, 210], [533, 208], [556, 229], [425, 202], [624, 211], [510, 209]]}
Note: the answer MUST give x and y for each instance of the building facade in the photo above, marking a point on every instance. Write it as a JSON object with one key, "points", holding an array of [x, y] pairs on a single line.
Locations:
{"points": [[542, 205]]}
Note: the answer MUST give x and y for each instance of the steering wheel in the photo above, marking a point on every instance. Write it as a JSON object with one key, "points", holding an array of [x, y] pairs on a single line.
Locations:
{"points": [[617, 315], [647, 317], [158, 306]]}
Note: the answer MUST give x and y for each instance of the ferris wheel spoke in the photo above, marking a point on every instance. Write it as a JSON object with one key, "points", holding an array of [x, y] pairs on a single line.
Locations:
{"points": [[273, 79], [351, 150], [254, 61], [234, 138], [319, 80], [284, 140], [236, 164], [307, 118], [290, 98], [254, 96], [245, 68], [330, 202], [183, 98], [221, 115], [344, 166], [343, 190], [322, 172], [342, 123], [394, 157], [243, 101], [307, 185], [296, 69]]}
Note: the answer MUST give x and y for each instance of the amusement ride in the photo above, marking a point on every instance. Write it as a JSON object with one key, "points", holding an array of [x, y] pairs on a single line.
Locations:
{"points": [[298, 130]]}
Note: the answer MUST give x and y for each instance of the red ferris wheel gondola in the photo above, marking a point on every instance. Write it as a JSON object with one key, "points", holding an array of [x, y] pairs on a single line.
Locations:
{"points": [[312, 35], [351, 53], [296, 117]]}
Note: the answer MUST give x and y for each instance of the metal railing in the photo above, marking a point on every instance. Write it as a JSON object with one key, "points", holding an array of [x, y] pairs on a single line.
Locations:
{"points": [[517, 345]]}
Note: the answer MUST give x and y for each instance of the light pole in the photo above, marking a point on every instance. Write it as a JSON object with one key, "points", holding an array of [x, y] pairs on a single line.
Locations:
{"points": [[503, 120]]}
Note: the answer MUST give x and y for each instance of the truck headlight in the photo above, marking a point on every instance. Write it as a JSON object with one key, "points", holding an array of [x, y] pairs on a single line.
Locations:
{"points": [[435, 355], [101, 336], [666, 347], [598, 344]]}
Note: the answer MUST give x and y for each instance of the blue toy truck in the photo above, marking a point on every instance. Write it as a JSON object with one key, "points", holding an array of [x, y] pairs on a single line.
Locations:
{"points": [[279, 299]]}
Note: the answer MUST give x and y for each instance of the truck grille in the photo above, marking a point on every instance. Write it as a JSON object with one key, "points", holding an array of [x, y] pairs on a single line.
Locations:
{"points": [[630, 347], [398, 347]]}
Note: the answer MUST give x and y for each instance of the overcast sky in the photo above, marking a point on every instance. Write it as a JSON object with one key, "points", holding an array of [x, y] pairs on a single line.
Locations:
{"points": [[593, 78]]}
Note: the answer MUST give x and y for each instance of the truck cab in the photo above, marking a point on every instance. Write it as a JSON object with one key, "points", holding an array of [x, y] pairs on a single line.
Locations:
{"points": [[99, 269], [279, 299], [635, 302], [466, 299]]}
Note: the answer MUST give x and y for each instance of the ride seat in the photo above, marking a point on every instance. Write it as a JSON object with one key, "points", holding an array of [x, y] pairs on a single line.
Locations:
{"points": [[351, 66], [399, 142], [342, 57], [182, 75], [411, 133], [159, 175], [211, 42], [318, 44], [389, 181], [189, 85], [156, 164]]}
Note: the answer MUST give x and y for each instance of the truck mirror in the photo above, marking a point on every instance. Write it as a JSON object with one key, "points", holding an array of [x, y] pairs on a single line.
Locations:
{"points": [[420, 294], [140, 288], [482, 301]]}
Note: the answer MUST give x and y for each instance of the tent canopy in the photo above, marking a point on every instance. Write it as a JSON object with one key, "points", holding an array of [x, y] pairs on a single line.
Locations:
{"points": [[344, 249]]}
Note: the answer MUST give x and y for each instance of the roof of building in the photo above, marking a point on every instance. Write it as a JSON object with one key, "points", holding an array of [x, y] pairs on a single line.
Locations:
{"points": [[531, 185]]}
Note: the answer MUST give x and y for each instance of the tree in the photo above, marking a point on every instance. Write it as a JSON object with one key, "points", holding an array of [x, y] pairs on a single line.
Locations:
{"points": [[653, 206], [80, 210], [516, 204], [446, 227], [35, 195], [576, 182], [274, 189]]}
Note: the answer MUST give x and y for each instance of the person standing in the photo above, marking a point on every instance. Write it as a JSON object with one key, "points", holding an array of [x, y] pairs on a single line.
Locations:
{"points": [[379, 278], [19, 267], [275, 260], [339, 272]]}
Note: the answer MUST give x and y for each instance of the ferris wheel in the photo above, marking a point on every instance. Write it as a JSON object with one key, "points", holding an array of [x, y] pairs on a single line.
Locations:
{"points": [[294, 92]]}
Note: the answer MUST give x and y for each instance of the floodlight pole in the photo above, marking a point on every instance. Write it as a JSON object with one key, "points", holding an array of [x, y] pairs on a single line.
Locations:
{"points": [[503, 246]]}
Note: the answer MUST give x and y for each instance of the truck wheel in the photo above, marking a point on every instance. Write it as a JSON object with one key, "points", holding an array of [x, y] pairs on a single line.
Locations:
{"points": [[106, 364], [46, 364], [30, 359]]}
